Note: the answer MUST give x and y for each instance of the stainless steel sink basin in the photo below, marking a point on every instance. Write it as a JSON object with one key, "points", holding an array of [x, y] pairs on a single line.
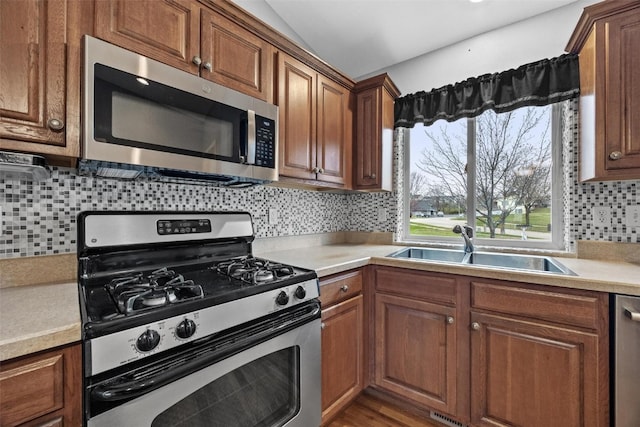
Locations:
{"points": [[519, 262], [494, 260], [430, 254]]}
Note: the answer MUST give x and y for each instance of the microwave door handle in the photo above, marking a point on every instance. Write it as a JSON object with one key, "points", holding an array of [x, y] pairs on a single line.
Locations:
{"points": [[251, 137]]}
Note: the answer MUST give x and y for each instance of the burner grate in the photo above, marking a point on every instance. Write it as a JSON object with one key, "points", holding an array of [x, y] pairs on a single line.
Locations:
{"points": [[254, 271], [161, 287]]}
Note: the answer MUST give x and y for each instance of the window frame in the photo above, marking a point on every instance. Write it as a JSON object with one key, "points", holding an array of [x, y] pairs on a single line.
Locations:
{"points": [[557, 241]]}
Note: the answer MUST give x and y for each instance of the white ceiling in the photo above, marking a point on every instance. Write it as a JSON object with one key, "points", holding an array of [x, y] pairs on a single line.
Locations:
{"points": [[360, 37]]}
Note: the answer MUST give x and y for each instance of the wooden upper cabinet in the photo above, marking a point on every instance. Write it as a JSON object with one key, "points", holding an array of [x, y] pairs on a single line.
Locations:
{"points": [[297, 109], [334, 137], [607, 38], [315, 135], [165, 30], [373, 163], [186, 35], [234, 57], [32, 75]]}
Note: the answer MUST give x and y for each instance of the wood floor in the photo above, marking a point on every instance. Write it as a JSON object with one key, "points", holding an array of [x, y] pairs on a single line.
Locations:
{"points": [[370, 411]]}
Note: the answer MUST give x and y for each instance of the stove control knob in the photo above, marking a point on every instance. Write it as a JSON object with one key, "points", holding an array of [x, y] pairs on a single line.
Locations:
{"points": [[186, 328], [148, 340], [300, 292], [282, 298]]}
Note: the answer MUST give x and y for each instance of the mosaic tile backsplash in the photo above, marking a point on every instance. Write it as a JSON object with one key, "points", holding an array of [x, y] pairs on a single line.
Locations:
{"points": [[40, 218]]}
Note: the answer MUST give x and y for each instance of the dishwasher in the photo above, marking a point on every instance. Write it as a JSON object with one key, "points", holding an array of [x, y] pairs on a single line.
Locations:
{"points": [[626, 361]]}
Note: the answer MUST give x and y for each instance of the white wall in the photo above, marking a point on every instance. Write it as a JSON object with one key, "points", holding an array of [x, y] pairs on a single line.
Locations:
{"points": [[543, 36], [264, 12]]}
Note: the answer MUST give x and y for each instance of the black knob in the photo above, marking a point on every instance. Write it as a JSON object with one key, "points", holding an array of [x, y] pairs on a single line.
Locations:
{"points": [[148, 340], [282, 298], [300, 292], [186, 328]]}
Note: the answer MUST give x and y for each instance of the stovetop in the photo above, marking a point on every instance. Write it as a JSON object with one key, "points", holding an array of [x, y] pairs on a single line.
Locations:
{"points": [[128, 299]]}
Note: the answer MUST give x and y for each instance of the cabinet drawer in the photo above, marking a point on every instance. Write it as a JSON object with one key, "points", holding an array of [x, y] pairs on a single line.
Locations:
{"points": [[430, 287], [537, 302], [30, 390], [340, 287]]}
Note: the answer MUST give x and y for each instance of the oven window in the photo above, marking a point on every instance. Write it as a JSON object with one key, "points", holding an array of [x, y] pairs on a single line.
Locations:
{"points": [[264, 392]]}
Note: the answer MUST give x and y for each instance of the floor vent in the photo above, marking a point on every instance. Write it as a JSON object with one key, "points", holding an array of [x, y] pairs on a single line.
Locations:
{"points": [[446, 420]]}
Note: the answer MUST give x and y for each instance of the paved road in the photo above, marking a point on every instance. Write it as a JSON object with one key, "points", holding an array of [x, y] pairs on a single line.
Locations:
{"points": [[450, 221]]}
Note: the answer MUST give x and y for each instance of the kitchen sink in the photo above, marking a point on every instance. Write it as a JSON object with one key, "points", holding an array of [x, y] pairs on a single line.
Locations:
{"points": [[543, 264], [519, 262], [430, 254]]}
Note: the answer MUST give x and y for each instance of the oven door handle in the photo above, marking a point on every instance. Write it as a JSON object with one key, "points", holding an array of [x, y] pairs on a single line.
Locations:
{"points": [[121, 389], [130, 389]]}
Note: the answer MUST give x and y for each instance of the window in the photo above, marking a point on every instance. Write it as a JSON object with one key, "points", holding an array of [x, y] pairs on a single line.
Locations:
{"points": [[499, 173]]}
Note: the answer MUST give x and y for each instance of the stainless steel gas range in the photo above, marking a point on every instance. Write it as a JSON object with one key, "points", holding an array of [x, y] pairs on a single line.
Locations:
{"points": [[182, 326]]}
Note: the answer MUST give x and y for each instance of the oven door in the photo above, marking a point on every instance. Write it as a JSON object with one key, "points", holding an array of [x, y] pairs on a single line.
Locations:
{"points": [[273, 383]]}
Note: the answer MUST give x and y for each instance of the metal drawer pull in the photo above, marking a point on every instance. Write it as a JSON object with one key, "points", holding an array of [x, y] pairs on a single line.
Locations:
{"points": [[633, 315], [344, 288], [615, 155]]}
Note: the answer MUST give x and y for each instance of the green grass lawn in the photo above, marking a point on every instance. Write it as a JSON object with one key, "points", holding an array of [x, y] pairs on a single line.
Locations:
{"points": [[538, 220], [418, 229]]}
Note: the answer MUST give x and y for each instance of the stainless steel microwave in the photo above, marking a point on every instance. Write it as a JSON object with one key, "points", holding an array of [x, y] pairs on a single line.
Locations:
{"points": [[144, 118]]}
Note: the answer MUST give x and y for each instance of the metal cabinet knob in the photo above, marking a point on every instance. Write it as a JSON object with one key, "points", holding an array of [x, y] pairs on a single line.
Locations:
{"points": [[373, 176], [196, 60], [322, 325], [315, 170], [320, 170], [344, 288], [450, 320], [208, 66], [475, 326], [55, 124], [615, 155]]}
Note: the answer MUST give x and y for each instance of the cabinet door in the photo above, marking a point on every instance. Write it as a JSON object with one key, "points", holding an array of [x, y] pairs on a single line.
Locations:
{"points": [[415, 350], [342, 355], [333, 137], [368, 137], [530, 374], [622, 119], [44, 390], [32, 73], [297, 102], [165, 30], [236, 58]]}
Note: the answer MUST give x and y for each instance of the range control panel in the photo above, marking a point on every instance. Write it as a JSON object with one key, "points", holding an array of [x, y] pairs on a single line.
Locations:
{"points": [[170, 226]]}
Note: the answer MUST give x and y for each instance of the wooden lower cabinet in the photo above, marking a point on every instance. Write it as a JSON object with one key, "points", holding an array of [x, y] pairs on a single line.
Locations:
{"points": [[532, 374], [489, 352], [342, 355], [416, 350], [342, 341], [43, 389]]}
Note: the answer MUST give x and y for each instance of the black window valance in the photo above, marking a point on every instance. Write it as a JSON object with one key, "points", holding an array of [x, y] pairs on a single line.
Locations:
{"points": [[538, 83]]}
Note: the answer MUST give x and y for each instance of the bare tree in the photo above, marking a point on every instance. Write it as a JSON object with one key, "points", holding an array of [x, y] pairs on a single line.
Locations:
{"points": [[506, 144], [417, 188]]}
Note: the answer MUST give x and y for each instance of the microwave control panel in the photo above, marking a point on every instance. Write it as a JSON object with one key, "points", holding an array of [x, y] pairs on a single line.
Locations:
{"points": [[265, 142]]}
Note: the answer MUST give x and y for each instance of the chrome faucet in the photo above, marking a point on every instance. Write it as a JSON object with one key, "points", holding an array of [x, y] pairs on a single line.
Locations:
{"points": [[467, 234]]}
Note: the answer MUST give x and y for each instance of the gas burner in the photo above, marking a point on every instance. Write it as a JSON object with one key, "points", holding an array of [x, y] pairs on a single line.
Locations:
{"points": [[161, 287], [254, 270]]}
